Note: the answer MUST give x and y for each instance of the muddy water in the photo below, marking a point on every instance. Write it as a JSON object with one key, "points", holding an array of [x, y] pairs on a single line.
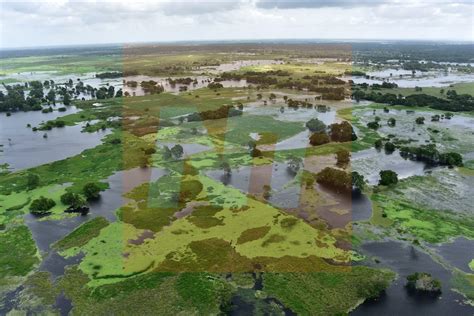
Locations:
{"points": [[406, 260]]}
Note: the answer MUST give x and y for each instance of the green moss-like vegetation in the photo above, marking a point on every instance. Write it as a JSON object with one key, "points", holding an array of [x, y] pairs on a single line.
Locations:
{"points": [[326, 293], [18, 254], [186, 294], [81, 235], [429, 225]]}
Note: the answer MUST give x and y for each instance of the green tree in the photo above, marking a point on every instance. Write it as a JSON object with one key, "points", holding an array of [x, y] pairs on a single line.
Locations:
{"points": [[388, 177], [294, 164], [177, 151], [420, 120], [91, 191], [41, 206], [32, 181], [72, 199], [358, 180], [316, 126]]}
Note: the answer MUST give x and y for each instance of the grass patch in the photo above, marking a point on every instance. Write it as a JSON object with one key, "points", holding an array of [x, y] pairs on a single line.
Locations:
{"points": [[82, 235]]}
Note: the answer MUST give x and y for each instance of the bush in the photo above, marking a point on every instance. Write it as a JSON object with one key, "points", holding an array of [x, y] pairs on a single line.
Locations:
{"points": [[91, 191], [72, 199], [388, 177], [41, 206], [389, 147], [343, 157], [337, 179], [316, 126], [319, 139], [32, 181]]}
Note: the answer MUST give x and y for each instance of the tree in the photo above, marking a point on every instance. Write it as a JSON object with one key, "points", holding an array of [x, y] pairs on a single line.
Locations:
{"points": [[73, 200], [388, 177], [226, 168], [111, 92], [389, 147], [343, 157], [392, 122], [256, 153], [316, 126], [424, 283], [451, 159], [342, 132], [252, 144], [294, 164], [337, 179], [32, 181], [358, 181], [91, 191], [167, 153], [267, 191], [373, 125], [378, 143], [177, 151], [420, 120], [317, 139], [66, 99], [41, 206], [51, 96]]}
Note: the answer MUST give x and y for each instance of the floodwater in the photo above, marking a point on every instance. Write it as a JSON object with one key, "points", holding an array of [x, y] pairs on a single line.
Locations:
{"points": [[47, 232], [202, 82], [425, 79], [289, 114], [370, 162], [251, 179], [236, 65], [459, 253], [361, 207], [188, 149], [23, 148], [406, 260]]}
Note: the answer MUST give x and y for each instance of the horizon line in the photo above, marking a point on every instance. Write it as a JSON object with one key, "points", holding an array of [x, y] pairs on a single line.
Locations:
{"points": [[255, 40]]}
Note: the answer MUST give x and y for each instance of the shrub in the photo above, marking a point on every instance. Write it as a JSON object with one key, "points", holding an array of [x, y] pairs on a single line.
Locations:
{"points": [[91, 191], [41, 206], [319, 139]]}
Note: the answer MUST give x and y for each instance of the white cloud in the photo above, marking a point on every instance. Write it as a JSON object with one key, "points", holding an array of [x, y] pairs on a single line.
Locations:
{"points": [[63, 22]]}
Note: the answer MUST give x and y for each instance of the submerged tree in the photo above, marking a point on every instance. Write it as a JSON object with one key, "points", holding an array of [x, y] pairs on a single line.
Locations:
{"points": [[177, 151], [343, 157], [91, 191], [294, 164], [42, 206], [388, 177], [316, 126], [358, 181]]}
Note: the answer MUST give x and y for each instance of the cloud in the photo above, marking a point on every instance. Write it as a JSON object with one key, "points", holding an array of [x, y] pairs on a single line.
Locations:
{"points": [[65, 22], [312, 4]]}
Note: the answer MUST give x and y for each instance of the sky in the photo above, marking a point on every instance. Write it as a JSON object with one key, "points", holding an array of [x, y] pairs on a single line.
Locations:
{"points": [[73, 22]]}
